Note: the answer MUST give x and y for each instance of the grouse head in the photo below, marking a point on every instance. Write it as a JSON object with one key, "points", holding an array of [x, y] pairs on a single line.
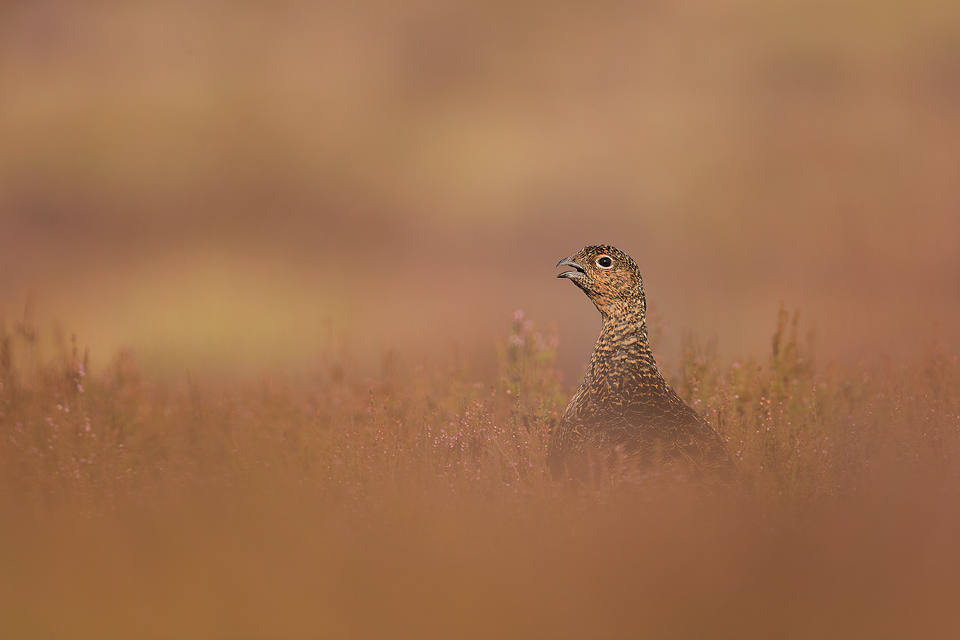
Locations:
{"points": [[609, 277]]}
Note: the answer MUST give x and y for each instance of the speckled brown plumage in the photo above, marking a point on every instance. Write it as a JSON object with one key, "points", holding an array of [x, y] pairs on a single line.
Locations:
{"points": [[624, 405]]}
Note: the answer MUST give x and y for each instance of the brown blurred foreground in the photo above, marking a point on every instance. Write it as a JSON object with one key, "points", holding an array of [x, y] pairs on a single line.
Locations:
{"points": [[282, 566], [417, 504]]}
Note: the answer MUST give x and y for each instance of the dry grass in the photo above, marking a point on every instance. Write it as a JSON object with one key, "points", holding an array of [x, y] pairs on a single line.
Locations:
{"points": [[416, 503]]}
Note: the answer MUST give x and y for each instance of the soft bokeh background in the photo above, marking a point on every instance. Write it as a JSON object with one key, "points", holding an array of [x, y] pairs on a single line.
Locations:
{"points": [[230, 185]]}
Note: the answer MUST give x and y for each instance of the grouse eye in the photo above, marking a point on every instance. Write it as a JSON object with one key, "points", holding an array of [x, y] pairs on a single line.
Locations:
{"points": [[604, 262]]}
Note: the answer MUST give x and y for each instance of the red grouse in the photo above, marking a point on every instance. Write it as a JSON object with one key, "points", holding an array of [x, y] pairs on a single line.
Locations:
{"points": [[624, 406]]}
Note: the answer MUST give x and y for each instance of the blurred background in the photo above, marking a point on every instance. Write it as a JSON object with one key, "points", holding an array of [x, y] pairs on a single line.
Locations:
{"points": [[230, 186]]}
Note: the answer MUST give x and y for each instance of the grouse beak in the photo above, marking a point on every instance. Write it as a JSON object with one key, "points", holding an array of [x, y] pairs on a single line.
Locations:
{"points": [[567, 262]]}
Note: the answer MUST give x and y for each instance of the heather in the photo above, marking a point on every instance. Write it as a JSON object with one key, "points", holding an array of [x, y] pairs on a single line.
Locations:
{"points": [[415, 501]]}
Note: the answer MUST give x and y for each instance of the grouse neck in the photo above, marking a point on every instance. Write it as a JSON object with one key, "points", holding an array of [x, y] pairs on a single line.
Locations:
{"points": [[624, 339]]}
